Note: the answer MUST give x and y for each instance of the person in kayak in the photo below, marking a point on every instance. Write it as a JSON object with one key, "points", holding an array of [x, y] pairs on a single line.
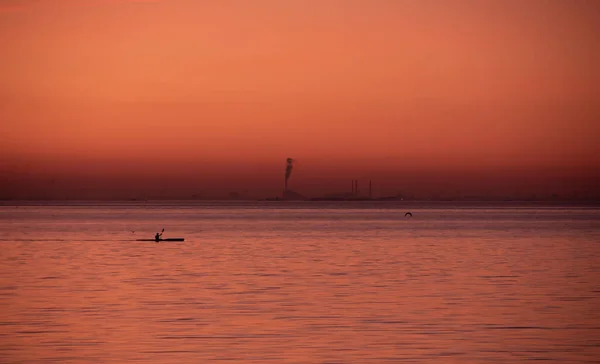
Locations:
{"points": [[158, 235]]}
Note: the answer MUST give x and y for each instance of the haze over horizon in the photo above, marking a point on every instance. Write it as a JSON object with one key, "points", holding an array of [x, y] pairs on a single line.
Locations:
{"points": [[122, 98]]}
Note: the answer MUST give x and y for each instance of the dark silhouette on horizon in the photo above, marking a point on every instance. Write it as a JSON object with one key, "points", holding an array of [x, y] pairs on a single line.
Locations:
{"points": [[288, 171]]}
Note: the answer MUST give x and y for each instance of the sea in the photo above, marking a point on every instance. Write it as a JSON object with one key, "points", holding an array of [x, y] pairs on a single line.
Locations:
{"points": [[299, 282]]}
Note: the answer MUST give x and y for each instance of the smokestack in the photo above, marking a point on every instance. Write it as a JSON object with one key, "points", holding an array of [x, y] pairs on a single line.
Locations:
{"points": [[370, 190], [288, 170]]}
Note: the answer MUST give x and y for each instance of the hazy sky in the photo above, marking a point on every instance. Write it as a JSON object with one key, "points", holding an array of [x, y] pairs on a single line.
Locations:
{"points": [[215, 95]]}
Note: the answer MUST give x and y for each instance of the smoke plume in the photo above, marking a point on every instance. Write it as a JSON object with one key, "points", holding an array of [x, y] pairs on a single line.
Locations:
{"points": [[288, 170]]}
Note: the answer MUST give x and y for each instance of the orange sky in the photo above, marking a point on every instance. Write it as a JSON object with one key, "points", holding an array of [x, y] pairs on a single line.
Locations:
{"points": [[217, 90]]}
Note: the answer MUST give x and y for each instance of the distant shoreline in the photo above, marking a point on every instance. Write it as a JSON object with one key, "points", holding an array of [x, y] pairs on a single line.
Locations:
{"points": [[314, 202]]}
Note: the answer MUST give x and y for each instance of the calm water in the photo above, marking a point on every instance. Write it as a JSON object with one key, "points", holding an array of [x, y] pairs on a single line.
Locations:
{"points": [[299, 283]]}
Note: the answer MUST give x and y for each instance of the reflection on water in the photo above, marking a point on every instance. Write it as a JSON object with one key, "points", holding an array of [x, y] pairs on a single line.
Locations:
{"points": [[255, 283]]}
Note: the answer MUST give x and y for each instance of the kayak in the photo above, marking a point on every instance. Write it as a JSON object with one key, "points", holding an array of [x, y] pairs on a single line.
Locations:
{"points": [[168, 239]]}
